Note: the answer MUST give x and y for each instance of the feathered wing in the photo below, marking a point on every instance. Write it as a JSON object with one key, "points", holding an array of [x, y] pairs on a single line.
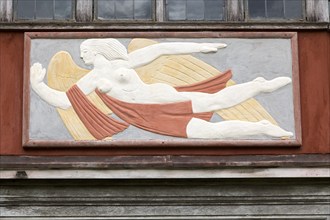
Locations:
{"points": [[62, 74], [180, 70]]}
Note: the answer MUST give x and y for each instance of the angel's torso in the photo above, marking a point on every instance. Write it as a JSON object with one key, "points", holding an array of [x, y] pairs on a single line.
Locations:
{"points": [[124, 84]]}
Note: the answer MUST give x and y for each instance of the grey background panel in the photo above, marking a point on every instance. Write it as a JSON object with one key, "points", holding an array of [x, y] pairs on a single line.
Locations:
{"points": [[247, 58]]}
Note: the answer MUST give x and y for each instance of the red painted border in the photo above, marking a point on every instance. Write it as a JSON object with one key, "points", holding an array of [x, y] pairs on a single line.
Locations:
{"points": [[160, 143]]}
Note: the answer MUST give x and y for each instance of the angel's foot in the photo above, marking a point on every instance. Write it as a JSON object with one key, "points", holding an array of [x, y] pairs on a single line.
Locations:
{"points": [[272, 85], [274, 130]]}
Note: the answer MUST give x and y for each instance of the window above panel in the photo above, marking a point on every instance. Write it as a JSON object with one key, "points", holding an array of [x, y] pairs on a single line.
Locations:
{"points": [[124, 9], [165, 14], [195, 10], [263, 10], [43, 9], [169, 10]]}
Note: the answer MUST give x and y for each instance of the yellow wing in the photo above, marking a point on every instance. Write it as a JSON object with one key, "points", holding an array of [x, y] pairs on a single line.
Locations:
{"points": [[62, 73], [178, 70]]}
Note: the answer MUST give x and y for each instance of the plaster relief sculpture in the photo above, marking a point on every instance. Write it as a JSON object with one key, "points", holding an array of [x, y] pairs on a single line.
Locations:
{"points": [[131, 85]]}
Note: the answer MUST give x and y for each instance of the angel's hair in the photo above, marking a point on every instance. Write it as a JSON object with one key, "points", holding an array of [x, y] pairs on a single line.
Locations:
{"points": [[110, 48]]}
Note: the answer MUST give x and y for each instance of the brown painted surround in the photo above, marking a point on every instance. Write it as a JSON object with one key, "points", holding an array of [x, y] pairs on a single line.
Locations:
{"points": [[314, 67]]}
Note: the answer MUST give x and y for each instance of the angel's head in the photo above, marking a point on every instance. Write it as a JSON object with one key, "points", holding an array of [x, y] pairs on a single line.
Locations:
{"points": [[109, 48]]}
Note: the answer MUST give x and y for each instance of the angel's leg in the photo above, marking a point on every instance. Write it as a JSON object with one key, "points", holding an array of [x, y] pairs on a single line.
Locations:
{"points": [[233, 95], [198, 128]]}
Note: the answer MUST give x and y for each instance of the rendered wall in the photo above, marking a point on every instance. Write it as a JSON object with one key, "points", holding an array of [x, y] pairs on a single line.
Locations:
{"points": [[284, 197], [314, 84], [294, 199]]}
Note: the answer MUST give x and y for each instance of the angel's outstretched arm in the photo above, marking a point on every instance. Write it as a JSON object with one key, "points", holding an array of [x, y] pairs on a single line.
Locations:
{"points": [[59, 99], [147, 54], [51, 96]]}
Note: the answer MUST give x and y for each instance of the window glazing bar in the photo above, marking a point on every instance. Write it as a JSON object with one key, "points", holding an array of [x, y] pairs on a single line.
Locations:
{"points": [[6, 10], [84, 10], [317, 10], [160, 10], [235, 10]]}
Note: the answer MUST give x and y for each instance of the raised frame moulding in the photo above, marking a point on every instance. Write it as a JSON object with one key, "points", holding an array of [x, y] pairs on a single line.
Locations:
{"points": [[39, 47]]}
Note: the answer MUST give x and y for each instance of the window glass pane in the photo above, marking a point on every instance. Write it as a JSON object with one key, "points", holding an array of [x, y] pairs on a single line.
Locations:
{"points": [[176, 10], [293, 9], [63, 9], [44, 9], [106, 9], [275, 9], [257, 8], [25, 9], [214, 9], [282, 9], [142, 9], [195, 10], [124, 9]]}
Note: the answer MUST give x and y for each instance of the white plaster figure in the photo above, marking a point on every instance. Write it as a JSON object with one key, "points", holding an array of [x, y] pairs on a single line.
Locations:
{"points": [[114, 74]]}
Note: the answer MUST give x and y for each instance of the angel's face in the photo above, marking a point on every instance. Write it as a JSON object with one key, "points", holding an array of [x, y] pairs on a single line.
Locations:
{"points": [[87, 55]]}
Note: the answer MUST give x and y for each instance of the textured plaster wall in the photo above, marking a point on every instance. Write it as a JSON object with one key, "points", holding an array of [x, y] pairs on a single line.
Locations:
{"points": [[223, 199]]}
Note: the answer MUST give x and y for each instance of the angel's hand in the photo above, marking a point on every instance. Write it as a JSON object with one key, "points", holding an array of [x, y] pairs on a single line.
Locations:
{"points": [[37, 74], [211, 47]]}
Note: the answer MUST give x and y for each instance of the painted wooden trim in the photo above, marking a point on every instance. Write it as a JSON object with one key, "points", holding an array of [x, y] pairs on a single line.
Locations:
{"points": [[84, 10], [82, 35], [296, 87], [168, 174], [317, 10], [26, 90], [163, 162], [6, 10], [161, 143], [154, 143], [255, 217], [235, 10], [160, 10], [160, 26]]}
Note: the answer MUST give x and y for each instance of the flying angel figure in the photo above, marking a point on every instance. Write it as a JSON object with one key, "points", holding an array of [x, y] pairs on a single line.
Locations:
{"points": [[126, 84]]}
